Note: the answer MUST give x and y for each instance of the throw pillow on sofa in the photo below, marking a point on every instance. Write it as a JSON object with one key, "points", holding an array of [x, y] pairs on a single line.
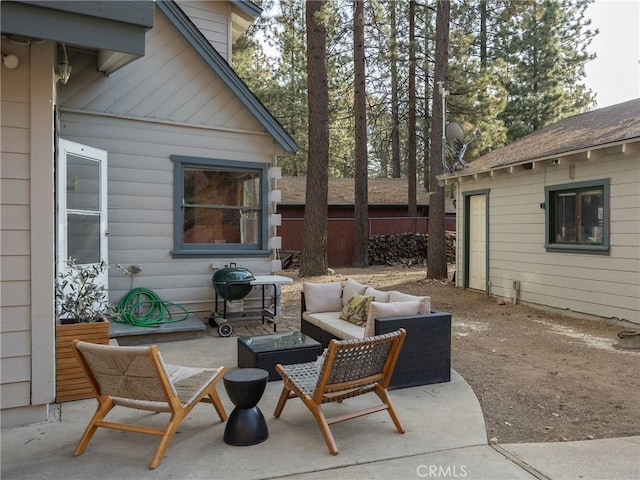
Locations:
{"points": [[323, 297], [425, 302], [356, 310], [378, 295], [351, 288], [391, 309]]}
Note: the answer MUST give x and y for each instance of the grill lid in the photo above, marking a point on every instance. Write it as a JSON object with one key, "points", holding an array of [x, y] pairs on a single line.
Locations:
{"points": [[238, 277]]}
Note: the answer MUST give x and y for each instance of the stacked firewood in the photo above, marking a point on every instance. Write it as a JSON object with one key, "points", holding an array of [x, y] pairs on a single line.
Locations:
{"points": [[399, 249], [290, 259], [405, 249]]}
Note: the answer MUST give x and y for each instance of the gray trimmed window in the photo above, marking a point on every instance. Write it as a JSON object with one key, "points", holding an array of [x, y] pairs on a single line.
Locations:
{"points": [[220, 207], [577, 217]]}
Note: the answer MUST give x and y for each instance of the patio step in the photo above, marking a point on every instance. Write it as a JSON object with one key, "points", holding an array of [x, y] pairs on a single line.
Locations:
{"points": [[126, 334]]}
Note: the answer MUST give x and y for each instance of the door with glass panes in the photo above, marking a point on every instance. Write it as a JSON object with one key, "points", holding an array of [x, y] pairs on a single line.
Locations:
{"points": [[81, 196]]}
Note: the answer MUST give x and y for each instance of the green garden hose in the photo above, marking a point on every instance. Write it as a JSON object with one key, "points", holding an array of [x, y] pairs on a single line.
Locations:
{"points": [[142, 307]]}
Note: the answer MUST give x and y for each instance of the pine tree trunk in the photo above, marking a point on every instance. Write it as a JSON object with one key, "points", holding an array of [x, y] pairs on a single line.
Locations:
{"points": [[313, 259], [361, 207], [436, 247], [395, 107], [411, 147], [427, 111]]}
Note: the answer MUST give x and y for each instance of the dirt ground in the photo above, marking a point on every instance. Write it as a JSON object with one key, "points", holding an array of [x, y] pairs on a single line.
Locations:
{"points": [[539, 376]]}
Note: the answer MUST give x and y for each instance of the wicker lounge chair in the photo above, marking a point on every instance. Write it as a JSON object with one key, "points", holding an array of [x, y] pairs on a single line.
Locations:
{"points": [[136, 377], [350, 368]]}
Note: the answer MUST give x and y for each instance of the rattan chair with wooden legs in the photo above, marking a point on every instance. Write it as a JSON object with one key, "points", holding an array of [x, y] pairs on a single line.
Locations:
{"points": [[350, 368], [136, 377]]}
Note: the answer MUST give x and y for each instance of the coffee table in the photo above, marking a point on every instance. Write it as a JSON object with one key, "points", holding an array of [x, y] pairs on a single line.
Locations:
{"points": [[265, 351]]}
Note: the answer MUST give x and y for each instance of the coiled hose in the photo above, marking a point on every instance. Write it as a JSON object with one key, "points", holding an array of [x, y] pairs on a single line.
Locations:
{"points": [[142, 307]]}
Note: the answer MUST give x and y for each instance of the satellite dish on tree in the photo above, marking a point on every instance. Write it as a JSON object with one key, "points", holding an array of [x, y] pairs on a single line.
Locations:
{"points": [[454, 131], [456, 147]]}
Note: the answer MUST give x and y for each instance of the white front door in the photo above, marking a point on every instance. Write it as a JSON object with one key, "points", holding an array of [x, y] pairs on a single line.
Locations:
{"points": [[81, 195], [478, 242]]}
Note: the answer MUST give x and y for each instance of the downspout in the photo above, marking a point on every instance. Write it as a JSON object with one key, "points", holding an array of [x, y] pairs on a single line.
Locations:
{"points": [[516, 291]]}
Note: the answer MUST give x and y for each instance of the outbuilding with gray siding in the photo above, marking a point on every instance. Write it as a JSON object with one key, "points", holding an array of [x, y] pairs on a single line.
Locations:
{"points": [[553, 219]]}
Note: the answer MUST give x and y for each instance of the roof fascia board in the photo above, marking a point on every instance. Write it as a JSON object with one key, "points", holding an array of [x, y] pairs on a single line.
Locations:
{"points": [[136, 12], [555, 156], [247, 7], [77, 29], [226, 73]]}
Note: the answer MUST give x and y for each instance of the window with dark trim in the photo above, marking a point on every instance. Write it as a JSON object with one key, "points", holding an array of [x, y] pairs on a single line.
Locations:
{"points": [[577, 217], [221, 207]]}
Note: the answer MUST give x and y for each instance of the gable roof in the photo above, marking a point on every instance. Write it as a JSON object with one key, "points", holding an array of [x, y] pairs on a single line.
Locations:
{"points": [[382, 192], [231, 79], [588, 131]]}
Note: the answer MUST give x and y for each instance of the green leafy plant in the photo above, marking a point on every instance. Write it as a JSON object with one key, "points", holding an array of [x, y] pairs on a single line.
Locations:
{"points": [[80, 297]]}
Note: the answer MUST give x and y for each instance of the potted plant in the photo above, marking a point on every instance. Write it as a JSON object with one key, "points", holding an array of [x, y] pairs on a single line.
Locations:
{"points": [[81, 312]]}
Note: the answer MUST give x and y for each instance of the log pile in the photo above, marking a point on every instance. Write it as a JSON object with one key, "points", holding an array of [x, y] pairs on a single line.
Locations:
{"points": [[290, 259], [405, 249], [399, 249]]}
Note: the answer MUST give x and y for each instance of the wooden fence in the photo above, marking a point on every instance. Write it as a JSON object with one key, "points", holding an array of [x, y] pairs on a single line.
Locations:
{"points": [[341, 233]]}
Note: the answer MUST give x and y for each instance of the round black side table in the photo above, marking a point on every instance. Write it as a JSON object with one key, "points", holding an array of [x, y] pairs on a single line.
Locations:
{"points": [[246, 424]]}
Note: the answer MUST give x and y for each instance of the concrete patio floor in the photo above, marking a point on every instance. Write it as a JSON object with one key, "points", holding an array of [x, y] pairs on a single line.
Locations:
{"points": [[445, 438]]}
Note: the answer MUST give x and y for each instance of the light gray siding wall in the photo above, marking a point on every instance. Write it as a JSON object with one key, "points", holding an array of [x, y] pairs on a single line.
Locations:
{"points": [[601, 285], [26, 234], [170, 83], [140, 191], [213, 20], [167, 103], [15, 232]]}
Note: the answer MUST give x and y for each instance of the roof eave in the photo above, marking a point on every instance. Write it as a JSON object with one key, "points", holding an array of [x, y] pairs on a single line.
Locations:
{"points": [[227, 74], [247, 7], [446, 178]]}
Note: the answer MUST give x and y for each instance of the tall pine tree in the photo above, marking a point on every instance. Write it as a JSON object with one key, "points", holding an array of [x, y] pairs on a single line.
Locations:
{"points": [[544, 44]]}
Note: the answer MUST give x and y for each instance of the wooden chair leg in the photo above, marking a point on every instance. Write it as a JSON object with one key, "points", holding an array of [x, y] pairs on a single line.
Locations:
{"points": [[384, 397], [165, 440], [284, 396], [103, 409], [317, 413], [217, 404]]}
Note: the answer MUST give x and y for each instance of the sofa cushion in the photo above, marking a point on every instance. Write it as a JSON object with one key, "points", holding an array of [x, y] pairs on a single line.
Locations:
{"points": [[425, 302], [351, 288], [378, 295], [330, 322], [356, 310], [323, 297], [391, 309]]}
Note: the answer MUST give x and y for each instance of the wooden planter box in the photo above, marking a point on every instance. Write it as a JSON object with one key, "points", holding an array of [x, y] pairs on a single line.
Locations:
{"points": [[71, 383]]}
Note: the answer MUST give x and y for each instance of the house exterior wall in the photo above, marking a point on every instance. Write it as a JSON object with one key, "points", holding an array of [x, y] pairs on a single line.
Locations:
{"points": [[170, 83], [213, 20], [141, 115], [27, 232], [141, 202], [600, 285]]}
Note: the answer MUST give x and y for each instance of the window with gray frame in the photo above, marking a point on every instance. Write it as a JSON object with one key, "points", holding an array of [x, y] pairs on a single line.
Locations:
{"points": [[577, 217], [221, 207]]}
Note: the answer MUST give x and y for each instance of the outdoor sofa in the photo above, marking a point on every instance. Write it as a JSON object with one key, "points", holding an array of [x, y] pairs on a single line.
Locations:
{"points": [[425, 357]]}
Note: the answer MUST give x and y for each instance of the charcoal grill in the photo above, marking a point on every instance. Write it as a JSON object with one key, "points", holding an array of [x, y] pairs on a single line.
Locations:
{"points": [[230, 283]]}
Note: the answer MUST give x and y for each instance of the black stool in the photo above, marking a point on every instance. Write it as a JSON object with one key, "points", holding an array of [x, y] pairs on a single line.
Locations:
{"points": [[246, 424]]}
